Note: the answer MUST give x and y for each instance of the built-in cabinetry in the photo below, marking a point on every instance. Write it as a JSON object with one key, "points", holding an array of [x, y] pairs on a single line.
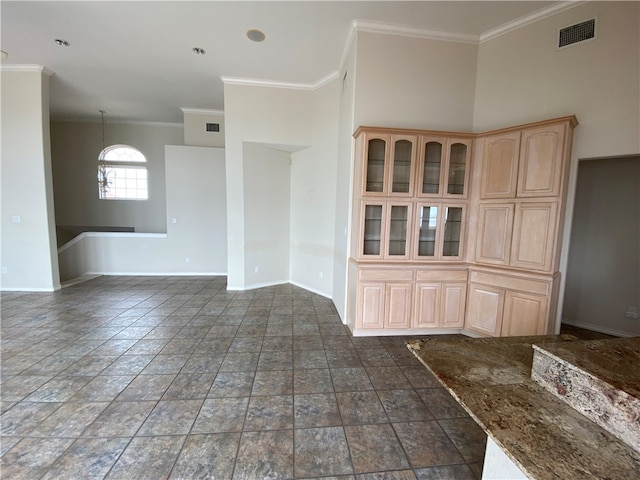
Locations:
{"points": [[440, 243]]}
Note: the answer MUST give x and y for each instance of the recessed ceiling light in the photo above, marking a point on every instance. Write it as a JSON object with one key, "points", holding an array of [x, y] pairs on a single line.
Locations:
{"points": [[199, 51], [61, 42], [255, 35]]}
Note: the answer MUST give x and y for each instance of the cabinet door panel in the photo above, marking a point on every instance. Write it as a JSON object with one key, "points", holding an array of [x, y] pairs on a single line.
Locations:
{"points": [[398, 238], [524, 314], [453, 224], [533, 236], [486, 305], [403, 153], [427, 305], [453, 304], [541, 161], [494, 233], [370, 305], [458, 166], [431, 166], [371, 234], [500, 166], [398, 310], [426, 228], [376, 164]]}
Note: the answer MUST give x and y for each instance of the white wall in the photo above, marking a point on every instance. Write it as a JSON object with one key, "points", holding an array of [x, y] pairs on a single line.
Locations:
{"points": [[266, 215], [313, 197], [196, 198], [75, 147], [344, 181], [603, 275], [28, 243], [277, 117], [195, 127], [414, 82], [523, 78]]}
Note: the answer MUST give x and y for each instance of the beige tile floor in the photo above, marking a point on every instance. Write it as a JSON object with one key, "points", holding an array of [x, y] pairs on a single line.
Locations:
{"points": [[175, 377]]}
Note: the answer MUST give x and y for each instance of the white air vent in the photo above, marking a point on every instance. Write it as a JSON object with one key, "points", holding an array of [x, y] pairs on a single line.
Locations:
{"points": [[580, 32]]}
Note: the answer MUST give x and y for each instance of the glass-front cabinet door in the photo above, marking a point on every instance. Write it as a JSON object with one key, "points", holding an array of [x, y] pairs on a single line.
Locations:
{"points": [[376, 163], [430, 166], [402, 160], [427, 231], [398, 238], [453, 231], [439, 231], [458, 163], [371, 241]]}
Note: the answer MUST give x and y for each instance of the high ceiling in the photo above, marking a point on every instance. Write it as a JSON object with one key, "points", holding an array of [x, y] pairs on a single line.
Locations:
{"points": [[135, 60]]}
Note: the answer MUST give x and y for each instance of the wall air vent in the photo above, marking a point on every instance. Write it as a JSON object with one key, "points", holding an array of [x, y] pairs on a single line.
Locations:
{"points": [[580, 32], [213, 127]]}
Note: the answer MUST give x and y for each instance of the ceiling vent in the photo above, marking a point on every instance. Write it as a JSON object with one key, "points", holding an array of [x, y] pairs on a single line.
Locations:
{"points": [[580, 32]]}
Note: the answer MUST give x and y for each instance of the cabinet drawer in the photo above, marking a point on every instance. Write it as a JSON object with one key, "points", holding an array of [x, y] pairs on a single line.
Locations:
{"points": [[441, 276], [538, 287], [386, 275]]}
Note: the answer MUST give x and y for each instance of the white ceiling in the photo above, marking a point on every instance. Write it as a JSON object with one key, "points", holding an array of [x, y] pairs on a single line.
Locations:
{"points": [[135, 61]]}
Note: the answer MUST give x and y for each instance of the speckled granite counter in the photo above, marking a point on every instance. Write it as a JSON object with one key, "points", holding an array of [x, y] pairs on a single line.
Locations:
{"points": [[541, 434], [598, 378]]}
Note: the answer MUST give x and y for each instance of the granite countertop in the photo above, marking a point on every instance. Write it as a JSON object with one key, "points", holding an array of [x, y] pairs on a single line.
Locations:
{"points": [[544, 436]]}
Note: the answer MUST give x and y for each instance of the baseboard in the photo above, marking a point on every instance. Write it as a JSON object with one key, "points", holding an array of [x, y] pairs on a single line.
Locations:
{"points": [[29, 289], [409, 332], [598, 328], [312, 290], [160, 274]]}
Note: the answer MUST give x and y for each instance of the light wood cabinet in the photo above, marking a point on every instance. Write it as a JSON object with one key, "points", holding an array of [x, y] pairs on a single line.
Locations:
{"points": [[440, 298], [384, 299], [444, 167], [534, 234], [524, 314], [524, 164], [439, 231], [384, 231], [448, 238], [389, 165], [500, 166], [486, 305], [542, 162], [495, 225], [501, 305]]}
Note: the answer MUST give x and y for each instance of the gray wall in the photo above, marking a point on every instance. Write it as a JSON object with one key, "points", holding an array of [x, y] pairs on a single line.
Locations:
{"points": [[74, 150], [603, 277]]}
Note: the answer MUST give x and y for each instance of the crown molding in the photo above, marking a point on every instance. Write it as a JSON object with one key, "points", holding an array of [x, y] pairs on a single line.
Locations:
{"points": [[326, 79], [529, 19], [201, 111], [255, 82], [370, 26], [27, 68], [116, 122]]}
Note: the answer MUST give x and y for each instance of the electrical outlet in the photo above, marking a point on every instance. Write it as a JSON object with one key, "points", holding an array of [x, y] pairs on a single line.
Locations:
{"points": [[256, 269], [632, 312], [187, 259], [321, 275], [4, 270], [16, 219]]}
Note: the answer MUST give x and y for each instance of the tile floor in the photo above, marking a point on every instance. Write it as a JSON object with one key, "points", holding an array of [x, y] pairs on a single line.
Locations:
{"points": [[156, 377]]}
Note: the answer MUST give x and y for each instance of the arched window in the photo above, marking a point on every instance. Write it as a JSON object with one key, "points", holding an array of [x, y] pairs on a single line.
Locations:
{"points": [[122, 174]]}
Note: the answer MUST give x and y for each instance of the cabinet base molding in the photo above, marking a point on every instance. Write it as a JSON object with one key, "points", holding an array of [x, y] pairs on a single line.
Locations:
{"points": [[394, 332]]}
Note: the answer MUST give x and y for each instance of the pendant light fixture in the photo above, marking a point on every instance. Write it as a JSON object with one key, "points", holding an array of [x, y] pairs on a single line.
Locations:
{"points": [[103, 169]]}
